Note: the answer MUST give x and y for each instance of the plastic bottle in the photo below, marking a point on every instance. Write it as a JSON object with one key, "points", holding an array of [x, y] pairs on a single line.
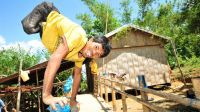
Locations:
{"points": [[68, 85], [66, 108]]}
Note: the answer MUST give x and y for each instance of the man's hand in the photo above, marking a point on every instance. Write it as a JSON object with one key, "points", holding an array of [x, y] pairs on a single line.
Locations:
{"points": [[74, 106], [75, 87], [50, 100]]}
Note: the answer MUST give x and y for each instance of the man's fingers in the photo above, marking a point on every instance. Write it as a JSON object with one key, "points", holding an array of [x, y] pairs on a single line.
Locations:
{"points": [[65, 100], [61, 103], [53, 106]]}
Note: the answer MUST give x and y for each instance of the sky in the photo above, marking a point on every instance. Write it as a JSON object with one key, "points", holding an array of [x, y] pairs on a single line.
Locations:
{"points": [[13, 11]]}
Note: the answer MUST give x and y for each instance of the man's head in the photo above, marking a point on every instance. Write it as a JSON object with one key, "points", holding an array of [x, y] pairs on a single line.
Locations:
{"points": [[97, 47]]}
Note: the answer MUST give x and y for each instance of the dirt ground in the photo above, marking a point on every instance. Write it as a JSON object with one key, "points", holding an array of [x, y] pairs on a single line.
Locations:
{"points": [[176, 87]]}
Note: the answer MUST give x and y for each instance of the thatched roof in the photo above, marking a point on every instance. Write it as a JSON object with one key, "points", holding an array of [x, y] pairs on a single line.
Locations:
{"points": [[112, 33]]}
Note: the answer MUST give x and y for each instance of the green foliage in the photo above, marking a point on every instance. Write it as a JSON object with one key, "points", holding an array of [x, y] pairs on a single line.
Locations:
{"points": [[144, 6], [191, 14], [62, 76], [179, 20], [169, 22], [83, 85], [86, 23], [10, 60], [123, 33], [126, 11], [103, 15]]}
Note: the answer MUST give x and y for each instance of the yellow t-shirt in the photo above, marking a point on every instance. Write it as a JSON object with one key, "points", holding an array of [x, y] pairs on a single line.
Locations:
{"points": [[94, 67], [58, 26]]}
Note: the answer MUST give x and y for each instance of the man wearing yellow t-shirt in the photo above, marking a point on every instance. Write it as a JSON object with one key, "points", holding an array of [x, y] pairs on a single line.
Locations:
{"points": [[65, 40]]}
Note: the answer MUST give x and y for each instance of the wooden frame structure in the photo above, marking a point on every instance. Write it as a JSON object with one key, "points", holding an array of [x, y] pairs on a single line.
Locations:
{"points": [[147, 106]]}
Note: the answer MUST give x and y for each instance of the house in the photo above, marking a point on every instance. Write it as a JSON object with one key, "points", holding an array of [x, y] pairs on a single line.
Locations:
{"points": [[136, 51]]}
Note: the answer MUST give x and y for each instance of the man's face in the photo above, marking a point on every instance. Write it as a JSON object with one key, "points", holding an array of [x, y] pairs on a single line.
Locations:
{"points": [[93, 50]]}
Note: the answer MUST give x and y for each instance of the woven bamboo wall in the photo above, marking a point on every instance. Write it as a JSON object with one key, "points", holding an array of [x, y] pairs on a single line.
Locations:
{"points": [[146, 58], [135, 38]]}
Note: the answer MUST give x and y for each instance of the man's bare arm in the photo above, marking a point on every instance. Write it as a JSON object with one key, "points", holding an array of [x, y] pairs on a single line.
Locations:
{"points": [[52, 67], [76, 84]]}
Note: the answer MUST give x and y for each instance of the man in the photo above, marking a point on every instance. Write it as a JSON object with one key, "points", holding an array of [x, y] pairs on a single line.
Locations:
{"points": [[65, 40], [2, 106]]}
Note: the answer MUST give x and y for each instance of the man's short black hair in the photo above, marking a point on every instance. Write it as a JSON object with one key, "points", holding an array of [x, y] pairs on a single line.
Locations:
{"points": [[105, 44]]}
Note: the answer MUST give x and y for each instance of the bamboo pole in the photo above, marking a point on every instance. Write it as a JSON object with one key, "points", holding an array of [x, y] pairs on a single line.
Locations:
{"points": [[38, 91], [95, 92], [106, 92], [123, 99], [113, 98], [100, 87], [19, 86], [185, 101], [174, 50]]}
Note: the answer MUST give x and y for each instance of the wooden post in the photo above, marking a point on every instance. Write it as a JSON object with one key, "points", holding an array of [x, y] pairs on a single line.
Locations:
{"points": [[144, 96], [100, 85], [106, 91], [19, 87], [95, 92], [38, 91], [113, 98], [123, 99], [196, 83], [42, 102]]}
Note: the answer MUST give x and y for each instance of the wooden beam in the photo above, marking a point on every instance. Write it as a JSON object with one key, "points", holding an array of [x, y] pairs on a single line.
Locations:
{"points": [[128, 47]]}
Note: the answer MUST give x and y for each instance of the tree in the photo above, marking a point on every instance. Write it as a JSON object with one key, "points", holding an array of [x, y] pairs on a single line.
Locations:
{"points": [[191, 14], [144, 6], [10, 60], [126, 12], [103, 16], [86, 23]]}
